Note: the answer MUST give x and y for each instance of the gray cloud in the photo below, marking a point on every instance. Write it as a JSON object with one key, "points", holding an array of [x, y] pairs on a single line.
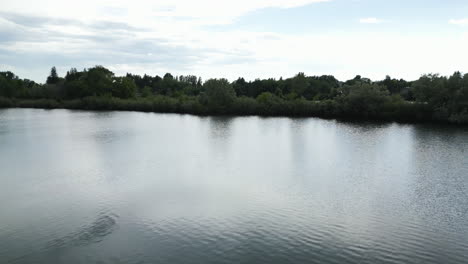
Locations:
{"points": [[32, 21], [40, 21], [35, 42]]}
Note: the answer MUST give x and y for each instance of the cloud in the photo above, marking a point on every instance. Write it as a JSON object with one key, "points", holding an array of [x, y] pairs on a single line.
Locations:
{"points": [[69, 43], [120, 34], [121, 37], [371, 20], [460, 22], [146, 11]]}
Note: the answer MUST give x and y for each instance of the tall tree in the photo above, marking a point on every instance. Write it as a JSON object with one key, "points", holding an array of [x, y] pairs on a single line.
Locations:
{"points": [[219, 94], [124, 87], [53, 77]]}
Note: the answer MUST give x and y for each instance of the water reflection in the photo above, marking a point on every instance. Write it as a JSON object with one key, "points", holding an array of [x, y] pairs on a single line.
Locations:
{"points": [[220, 126], [439, 168], [151, 188], [95, 232]]}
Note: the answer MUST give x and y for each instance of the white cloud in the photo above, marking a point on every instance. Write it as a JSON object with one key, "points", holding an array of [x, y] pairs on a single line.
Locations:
{"points": [[371, 20], [147, 11], [460, 22], [156, 37]]}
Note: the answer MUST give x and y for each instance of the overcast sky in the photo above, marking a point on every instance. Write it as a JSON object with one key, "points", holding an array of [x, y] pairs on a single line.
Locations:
{"points": [[251, 38]]}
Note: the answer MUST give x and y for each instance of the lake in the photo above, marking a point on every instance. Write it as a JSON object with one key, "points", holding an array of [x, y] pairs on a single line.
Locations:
{"points": [[128, 187]]}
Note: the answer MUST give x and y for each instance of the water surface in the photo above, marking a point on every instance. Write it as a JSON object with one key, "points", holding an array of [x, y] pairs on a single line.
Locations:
{"points": [[127, 187]]}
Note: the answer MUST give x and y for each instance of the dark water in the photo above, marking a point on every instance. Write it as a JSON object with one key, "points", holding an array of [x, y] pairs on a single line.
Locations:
{"points": [[124, 187]]}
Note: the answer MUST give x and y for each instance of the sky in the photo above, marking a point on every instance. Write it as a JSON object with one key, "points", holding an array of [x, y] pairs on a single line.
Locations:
{"points": [[229, 39]]}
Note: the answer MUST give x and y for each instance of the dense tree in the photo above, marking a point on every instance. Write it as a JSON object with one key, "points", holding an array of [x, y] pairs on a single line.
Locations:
{"points": [[430, 98], [53, 77], [123, 87], [240, 87], [100, 79], [446, 96], [363, 98], [219, 94], [6, 86], [394, 86], [299, 84], [431, 88], [12, 86]]}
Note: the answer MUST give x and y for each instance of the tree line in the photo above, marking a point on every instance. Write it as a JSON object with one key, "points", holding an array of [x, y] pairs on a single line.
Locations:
{"points": [[430, 98]]}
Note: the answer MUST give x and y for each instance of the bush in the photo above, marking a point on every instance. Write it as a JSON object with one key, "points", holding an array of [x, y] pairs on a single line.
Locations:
{"points": [[244, 106], [6, 102], [39, 103]]}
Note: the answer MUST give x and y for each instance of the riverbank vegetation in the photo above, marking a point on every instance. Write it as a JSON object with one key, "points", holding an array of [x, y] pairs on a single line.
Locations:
{"points": [[431, 98]]}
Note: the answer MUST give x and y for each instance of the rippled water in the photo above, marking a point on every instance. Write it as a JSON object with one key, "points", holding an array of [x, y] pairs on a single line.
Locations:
{"points": [[125, 187]]}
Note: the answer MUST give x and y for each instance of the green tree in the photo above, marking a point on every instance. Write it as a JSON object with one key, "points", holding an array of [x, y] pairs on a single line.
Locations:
{"points": [[6, 88], [123, 87], [269, 102], [432, 89], [241, 87], [299, 84], [146, 91], [99, 79], [363, 99], [53, 78], [77, 89], [219, 94]]}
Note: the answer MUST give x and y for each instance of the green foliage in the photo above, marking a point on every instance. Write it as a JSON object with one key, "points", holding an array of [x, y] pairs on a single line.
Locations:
{"points": [[363, 99], [448, 97], [431, 89], [123, 87], [430, 98], [396, 87], [245, 106], [53, 77], [5, 89], [100, 79], [146, 91], [77, 89], [6, 102], [299, 84], [8, 84], [219, 94], [39, 103], [269, 103], [54, 91]]}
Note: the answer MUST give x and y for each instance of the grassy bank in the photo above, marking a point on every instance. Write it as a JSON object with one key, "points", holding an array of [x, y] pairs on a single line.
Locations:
{"points": [[431, 98], [393, 111]]}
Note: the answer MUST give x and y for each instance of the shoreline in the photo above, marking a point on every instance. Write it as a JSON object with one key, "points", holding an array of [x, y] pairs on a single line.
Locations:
{"points": [[150, 105]]}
